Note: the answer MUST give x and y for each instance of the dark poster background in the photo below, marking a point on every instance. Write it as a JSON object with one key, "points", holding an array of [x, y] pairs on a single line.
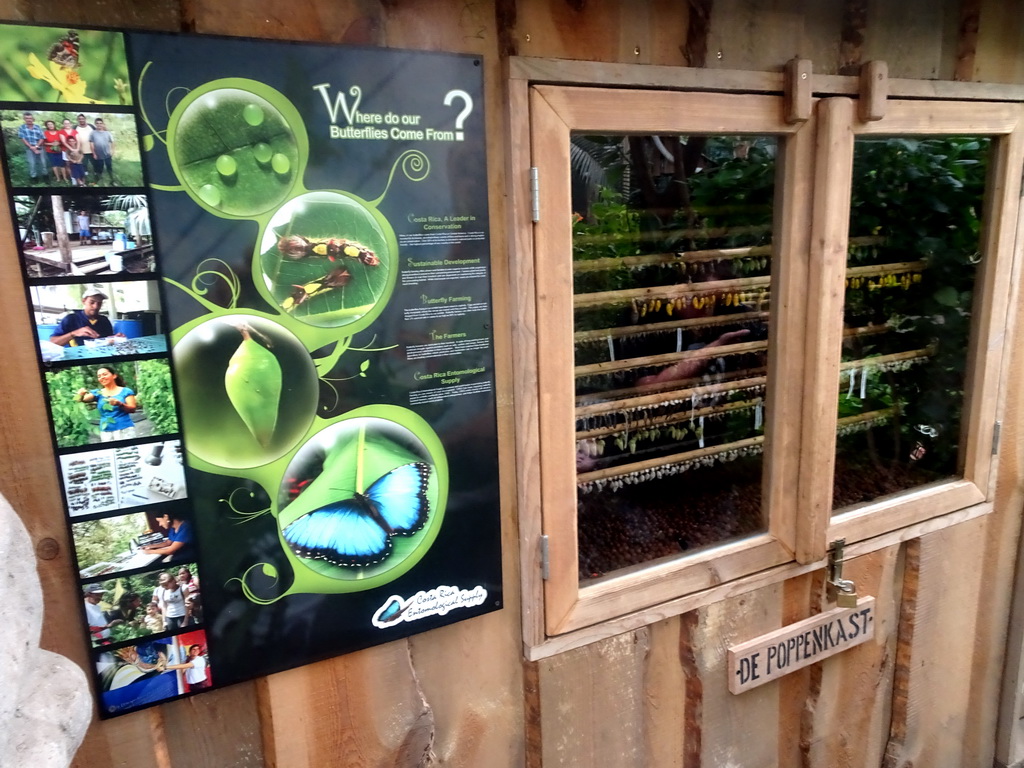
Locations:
{"points": [[246, 637]]}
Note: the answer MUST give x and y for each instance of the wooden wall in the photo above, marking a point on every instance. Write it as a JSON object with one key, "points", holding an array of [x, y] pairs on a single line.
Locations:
{"points": [[925, 693]]}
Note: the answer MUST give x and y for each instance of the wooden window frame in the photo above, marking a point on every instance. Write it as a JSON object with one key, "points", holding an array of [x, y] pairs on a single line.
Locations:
{"points": [[838, 129], [556, 113], [556, 619]]}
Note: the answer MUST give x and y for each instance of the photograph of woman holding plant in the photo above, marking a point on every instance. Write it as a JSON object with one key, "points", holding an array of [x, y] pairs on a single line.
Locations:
{"points": [[100, 404]]}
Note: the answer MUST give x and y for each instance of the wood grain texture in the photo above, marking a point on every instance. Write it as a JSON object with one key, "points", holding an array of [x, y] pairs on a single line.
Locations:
{"points": [[916, 38], [826, 276], [933, 664], [1000, 551], [126, 14], [592, 704], [218, 728], [845, 722], [1000, 38], [634, 32], [724, 715], [765, 34]]}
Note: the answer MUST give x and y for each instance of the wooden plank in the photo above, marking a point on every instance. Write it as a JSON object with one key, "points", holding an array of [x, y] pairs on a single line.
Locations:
{"points": [[672, 694], [125, 13], [649, 32], [874, 82], [742, 585], [477, 715], [864, 521], [934, 665], [567, 30], [846, 721], [555, 384], [558, 71], [764, 34], [988, 328], [218, 728], [787, 332], [524, 350], [281, 19], [724, 715], [913, 37], [368, 703], [826, 279], [851, 49], [652, 584], [967, 39], [636, 111], [798, 90], [943, 119], [592, 704], [1000, 38], [566, 72], [1009, 745]]}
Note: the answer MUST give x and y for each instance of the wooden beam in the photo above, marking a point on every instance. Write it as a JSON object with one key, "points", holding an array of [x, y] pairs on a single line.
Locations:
{"points": [[798, 90], [874, 91]]}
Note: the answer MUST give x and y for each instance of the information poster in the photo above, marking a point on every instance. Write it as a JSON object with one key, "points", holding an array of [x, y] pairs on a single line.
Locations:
{"points": [[259, 276]]}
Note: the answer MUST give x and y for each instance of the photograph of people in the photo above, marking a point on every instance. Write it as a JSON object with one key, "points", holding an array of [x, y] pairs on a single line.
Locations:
{"points": [[108, 142], [99, 624], [101, 142], [85, 323], [90, 234], [179, 545], [54, 152], [137, 675], [108, 547], [91, 404], [170, 597], [195, 668], [83, 131], [129, 609], [31, 135], [115, 403]]}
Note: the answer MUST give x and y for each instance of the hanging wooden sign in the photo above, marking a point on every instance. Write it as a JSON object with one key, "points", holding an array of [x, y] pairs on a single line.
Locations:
{"points": [[794, 647]]}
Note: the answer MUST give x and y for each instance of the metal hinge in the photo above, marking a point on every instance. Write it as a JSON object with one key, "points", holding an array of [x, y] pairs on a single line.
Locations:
{"points": [[545, 560], [534, 194], [996, 432]]}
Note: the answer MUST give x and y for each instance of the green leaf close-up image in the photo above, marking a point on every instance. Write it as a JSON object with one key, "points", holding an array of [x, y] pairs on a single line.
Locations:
{"points": [[234, 151]]}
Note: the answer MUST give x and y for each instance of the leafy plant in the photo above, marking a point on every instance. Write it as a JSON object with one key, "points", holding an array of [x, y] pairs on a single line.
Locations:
{"points": [[71, 424], [156, 395]]}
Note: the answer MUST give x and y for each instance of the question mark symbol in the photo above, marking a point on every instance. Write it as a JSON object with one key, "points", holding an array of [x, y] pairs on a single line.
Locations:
{"points": [[466, 109]]}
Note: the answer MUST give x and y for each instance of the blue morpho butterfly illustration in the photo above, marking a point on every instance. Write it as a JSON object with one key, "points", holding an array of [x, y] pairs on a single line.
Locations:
{"points": [[358, 531], [392, 611]]}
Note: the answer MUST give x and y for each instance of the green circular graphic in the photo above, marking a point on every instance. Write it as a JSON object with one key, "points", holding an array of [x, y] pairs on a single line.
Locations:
{"points": [[247, 377], [362, 453], [228, 134], [328, 260]]}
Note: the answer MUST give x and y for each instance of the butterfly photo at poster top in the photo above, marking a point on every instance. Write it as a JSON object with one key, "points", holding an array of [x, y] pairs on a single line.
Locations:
{"points": [[72, 66], [323, 221]]}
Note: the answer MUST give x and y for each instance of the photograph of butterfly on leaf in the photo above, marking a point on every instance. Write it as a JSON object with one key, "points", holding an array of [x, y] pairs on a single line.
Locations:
{"points": [[326, 261], [53, 64], [360, 500]]}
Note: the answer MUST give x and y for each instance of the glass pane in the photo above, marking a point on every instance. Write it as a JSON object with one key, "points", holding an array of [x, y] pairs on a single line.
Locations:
{"points": [[915, 226], [671, 257]]}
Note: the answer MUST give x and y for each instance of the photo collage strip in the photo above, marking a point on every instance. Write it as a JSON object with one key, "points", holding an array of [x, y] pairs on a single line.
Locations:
{"points": [[73, 167]]}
